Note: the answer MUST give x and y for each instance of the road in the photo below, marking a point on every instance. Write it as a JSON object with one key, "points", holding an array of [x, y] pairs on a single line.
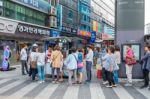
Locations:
{"points": [[15, 86]]}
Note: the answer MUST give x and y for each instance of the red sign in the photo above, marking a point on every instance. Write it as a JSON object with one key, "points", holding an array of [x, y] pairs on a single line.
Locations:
{"points": [[84, 33]]}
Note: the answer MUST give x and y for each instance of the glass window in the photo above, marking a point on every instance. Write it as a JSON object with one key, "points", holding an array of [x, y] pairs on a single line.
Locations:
{"points": [[54, 3], [70, 14]]}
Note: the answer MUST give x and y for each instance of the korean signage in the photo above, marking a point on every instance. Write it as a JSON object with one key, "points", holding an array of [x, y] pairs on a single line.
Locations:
{"points": [[8, 26], [93, 37], [69, 30], [84, 33], [39, 4], [55, 33], [32, 29]]}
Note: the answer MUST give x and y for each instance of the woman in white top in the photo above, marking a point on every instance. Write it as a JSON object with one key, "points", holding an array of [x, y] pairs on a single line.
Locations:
{"points": [[40, 64], [118, 62]]}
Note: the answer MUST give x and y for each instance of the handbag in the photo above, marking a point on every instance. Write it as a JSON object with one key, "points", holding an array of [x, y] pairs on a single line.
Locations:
{"points": [[131, 61], [80, 64]]}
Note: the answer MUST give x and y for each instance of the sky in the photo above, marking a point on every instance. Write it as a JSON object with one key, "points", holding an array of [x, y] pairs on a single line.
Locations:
{"points": [[147, 11]]}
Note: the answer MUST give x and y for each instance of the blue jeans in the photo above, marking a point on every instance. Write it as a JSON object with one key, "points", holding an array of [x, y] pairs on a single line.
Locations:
{"points": [[41, 73], [116, 80], [88, 70]]}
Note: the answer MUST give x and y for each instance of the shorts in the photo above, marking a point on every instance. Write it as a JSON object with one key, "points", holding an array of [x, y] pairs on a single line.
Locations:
{"points": [[80, 70]]}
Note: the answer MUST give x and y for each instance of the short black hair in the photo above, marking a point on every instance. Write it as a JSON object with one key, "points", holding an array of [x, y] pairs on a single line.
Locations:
{"points": [[89, 46], [73, 50], [117, 48]]}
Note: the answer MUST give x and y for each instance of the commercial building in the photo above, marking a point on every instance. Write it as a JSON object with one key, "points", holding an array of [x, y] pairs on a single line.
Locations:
{"points": [[84, 8], [102, 19], [25, 21]]}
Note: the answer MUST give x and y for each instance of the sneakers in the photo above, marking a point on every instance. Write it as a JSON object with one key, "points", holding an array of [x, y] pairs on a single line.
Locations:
{"points": [[109, 86], [105, 82], [128, 84], [39, 82]]}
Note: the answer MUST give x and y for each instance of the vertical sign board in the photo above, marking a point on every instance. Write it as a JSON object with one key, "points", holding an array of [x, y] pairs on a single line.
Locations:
{"points": [[93, 37], [129, 28]]}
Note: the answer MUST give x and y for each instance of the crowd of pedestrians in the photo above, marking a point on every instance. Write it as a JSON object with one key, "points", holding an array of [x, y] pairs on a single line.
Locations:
{"points": [[109, 60]]}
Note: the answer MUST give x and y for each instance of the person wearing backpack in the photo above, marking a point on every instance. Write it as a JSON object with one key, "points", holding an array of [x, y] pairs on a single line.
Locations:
{"points": [[71, 64], [80, 66]]}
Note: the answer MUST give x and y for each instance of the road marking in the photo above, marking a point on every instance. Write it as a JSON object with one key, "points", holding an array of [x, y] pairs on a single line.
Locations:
{"points": [[122, 93], [96, 91], [9, 86], [20, 93], [145, 92], [47, 92], [72, 92], [4, 80]]}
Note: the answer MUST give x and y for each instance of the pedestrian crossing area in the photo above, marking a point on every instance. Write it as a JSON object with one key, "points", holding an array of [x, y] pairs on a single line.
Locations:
{"points": [[26, 89]]}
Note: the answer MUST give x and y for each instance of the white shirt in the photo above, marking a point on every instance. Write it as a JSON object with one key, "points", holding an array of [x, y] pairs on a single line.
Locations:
{"points": [[23, 54], [33, 56], [89, 56], [41, 59], [118, 57]]}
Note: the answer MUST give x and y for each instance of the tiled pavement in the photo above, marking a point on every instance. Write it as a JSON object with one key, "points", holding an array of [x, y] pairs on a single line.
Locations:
{"points": [[23, 88]]}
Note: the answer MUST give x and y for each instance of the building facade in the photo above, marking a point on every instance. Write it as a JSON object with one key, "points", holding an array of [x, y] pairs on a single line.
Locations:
{"points": [[26, 21], [84, 12], [103, 18]]}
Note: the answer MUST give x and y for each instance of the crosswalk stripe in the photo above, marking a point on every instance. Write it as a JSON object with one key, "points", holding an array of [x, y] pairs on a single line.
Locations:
{"points": [[96, 91], [9, 86], [20, 93], [47, 92], [145, 92], [122, 93], [4, 80], [72, 92]]}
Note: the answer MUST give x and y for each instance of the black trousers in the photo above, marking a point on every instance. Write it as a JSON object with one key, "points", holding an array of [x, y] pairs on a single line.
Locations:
{"points": [[104, 74], [24, 65], [146, 77], [33, 72], [110, 78]]}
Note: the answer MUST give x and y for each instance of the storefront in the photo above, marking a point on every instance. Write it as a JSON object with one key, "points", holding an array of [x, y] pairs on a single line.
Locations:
{"points": [[70, 32], [15, 33]]}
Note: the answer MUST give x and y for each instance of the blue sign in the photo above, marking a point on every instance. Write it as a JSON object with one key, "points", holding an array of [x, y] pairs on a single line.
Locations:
{"points": [[55, 33], [93, 37]]}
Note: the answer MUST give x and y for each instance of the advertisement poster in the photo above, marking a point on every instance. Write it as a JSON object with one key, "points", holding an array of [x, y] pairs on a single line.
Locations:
{"points": [[136, 50]]}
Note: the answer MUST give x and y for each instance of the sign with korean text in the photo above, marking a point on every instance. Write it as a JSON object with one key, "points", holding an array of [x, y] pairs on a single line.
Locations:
{"points": [[32, 29], [69, 30]]}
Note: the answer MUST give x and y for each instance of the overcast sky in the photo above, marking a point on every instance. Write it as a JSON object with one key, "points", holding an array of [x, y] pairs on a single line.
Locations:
{"points": [[147, 11]]}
